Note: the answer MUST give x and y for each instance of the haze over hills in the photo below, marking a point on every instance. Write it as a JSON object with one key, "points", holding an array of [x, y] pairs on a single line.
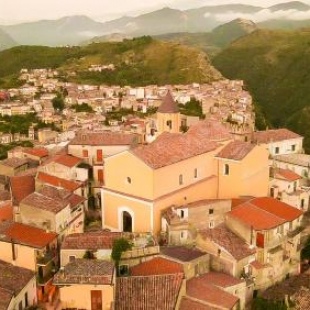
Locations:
{"points": [[75, 29], [6, 41], [210, 42], [275, 67]]}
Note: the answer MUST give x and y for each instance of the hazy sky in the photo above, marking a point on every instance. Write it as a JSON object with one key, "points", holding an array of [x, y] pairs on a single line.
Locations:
{"points": [[12, 11]]}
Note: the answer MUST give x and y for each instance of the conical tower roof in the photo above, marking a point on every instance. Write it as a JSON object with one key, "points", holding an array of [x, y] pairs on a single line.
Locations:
{"points": [[168, 105]]}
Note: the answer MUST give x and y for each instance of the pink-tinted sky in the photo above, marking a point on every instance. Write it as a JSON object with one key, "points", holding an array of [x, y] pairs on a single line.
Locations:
{"points": [[12, 11]]}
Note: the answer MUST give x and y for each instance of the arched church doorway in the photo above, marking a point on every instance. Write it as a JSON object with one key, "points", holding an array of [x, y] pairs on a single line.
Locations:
{"points": [[127, 222]]}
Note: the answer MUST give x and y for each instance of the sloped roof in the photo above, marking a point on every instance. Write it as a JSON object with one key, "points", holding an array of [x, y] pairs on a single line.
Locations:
{"points": [[181, 253], [37, 151], [67, 160], [210, 129], [265, 213], [90, 240], [221, 279], [156, 266], [193, 304], [86, 271], [170, 148], [21, 187], [150, 292], [274, 135], [286, 174], [25, 234], [5, 298], [168, 105], [103, 138], [236, 150], [6, 211], [56, 181], [226, 239], [13, 278], [200, 288]]}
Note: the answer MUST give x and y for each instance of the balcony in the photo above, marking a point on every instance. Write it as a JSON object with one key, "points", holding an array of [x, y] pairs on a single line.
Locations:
{"points": [[294, 232], [143, 245]]}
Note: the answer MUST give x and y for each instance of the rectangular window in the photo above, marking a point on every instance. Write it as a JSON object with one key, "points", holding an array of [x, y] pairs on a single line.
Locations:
{"points": [[196, 173], [71, 258], [211, 211], [226, 169], [277, 150], [26, 300], [180, 179], [182, 214], [85, 153], [293, 147], [302, 203]]}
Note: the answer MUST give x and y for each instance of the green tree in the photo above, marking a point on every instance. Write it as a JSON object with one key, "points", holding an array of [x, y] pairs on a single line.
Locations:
{"points": [[58, 102], [120, 246]]}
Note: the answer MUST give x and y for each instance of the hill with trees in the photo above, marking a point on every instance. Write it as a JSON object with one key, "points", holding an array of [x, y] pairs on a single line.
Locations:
{"points": [[141, 61], [274, 66]]}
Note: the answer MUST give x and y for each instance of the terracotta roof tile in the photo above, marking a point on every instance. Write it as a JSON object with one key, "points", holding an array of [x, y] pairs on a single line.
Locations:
{"points": [[67, 160], [151, 293], [90, 240], [5, 298], [277, 207], [171, 148], [190, 304], [25, 234], [211, 130], [5, 195], [226, 239], [14, 162], [6, 211], [236, 150], [156, 266], [286, 174], [255, 217], [37, 151], [103, 138], [168, 105], [13, 278], [200, 288], [181, 253], [75, 200], [21, 187], [295, 159], [58, 182], [44, 202], [265, 213], [221, 279], [274, 135], [86, 271], [257, 265]]}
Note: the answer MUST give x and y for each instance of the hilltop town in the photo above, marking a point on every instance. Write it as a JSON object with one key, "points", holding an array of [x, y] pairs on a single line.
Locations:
{"points": [[154, 197]]}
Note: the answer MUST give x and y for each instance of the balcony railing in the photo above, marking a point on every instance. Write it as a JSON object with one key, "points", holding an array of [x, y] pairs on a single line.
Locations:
{"points": [[294, 232]]}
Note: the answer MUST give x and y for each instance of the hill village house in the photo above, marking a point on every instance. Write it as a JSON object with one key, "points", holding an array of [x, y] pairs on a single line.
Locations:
{"points": [[213, 218]]}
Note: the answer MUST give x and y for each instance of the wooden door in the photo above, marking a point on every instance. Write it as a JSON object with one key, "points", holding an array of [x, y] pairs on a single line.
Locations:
{"points": [[99, 156], [100, 175], [96, 300]]}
